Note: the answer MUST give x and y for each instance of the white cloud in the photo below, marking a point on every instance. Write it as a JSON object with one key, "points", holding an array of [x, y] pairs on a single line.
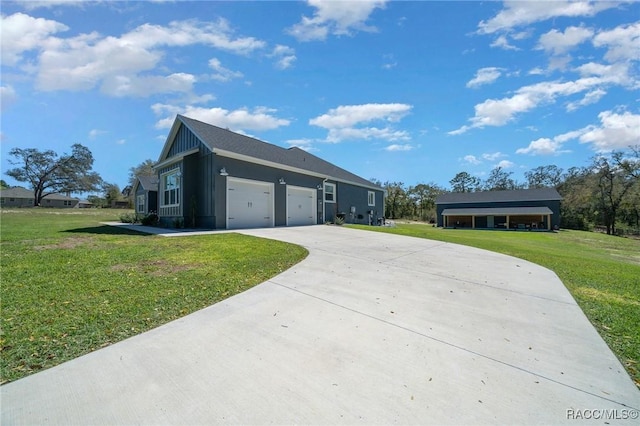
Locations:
{"points": [[542, 146], [304, 144], [8, 97], [616, 131], [35, 4], [242, 119], [503, 43], [472, 159], [222, 74], [557, 43], [399, 148], [518, 13], [623, 42], [21, 33], [141, 86], [351, 133], [498, 112], [94, 133], [493, 156], [505, 164], [121, 141], [485, 76], [343, 121], [336, 18], [350, 115], [113, 63], [285, 56], [591, 97]]}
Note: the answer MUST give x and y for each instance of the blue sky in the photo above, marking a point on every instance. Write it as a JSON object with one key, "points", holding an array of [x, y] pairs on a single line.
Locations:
{"points": [[413, 92]]}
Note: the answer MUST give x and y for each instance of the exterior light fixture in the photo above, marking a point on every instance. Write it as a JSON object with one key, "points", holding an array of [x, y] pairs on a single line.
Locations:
{"points": [[319, 187], [282, 182], [223, 172]]}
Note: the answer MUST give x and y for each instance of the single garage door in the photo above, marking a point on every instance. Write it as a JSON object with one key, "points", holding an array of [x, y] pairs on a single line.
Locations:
{"points": [[249, 204], [301, 206]]}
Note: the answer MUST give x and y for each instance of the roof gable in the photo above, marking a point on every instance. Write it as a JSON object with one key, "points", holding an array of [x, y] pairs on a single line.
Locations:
{"points": [[220, 140], [537, 194], [148, 183]]}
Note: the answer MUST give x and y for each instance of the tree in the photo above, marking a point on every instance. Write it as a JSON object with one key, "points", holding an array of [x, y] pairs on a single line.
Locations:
{"points": [[143, 169], [616, 176], [3, 184], [424, 198], [111, 193], [499, 180], [464, 182], [48, 173], [544, 177], [577, 207]]}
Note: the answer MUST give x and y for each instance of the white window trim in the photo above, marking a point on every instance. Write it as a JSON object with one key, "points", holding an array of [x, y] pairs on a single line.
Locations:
{"points": [[140, 201], [371, 198], [325, 192], [179, 187]]}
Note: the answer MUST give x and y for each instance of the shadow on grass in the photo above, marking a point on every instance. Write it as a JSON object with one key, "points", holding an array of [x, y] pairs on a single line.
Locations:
{"points": [[107, 230]]}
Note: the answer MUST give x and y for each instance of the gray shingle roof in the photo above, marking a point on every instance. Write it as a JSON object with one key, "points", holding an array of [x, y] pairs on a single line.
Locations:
{"points": [[20, 192], [538, 194], [148, 183], [216, 137]]}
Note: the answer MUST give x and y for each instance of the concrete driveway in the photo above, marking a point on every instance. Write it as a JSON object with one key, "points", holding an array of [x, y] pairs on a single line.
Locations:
{"points": [[370, 329]]}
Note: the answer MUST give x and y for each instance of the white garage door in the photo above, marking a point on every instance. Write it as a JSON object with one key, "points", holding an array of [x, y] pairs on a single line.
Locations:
{"points": [[301, 206], [249, 204]]}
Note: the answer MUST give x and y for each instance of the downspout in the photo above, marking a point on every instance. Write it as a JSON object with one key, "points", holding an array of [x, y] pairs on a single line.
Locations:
{"points": [[324, 218]]}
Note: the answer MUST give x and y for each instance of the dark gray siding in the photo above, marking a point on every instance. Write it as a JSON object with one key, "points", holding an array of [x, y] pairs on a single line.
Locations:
{"points": [[244, 170], [353, 202]]}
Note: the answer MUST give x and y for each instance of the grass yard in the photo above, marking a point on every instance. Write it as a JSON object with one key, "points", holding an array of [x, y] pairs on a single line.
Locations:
{"points": [[71, 285], [602, 273]]}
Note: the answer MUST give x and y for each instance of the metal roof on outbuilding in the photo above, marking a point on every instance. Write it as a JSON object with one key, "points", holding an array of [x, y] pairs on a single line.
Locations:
{"points": [[537, 194]]}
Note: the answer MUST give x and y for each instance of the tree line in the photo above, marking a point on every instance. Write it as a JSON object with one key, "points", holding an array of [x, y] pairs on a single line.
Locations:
{"points": [[605, 193]]}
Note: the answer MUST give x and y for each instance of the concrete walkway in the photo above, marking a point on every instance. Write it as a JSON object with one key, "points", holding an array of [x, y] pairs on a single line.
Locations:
{"points": [[370, 329]]}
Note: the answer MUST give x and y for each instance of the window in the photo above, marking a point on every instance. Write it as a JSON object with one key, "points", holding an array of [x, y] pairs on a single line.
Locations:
{"points": [[171, 188], [140, 204], [372, 199], [330, 192]]}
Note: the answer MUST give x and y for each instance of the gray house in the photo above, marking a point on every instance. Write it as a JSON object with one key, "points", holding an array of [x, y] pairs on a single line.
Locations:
{"points": [[145, 191], [210, 177], [521, 209], [22, 197]]}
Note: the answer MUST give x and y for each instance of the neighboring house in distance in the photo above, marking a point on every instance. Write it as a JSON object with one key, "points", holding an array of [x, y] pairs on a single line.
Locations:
{"points": [[210, 177], [145, 191], [520, 209], [22, 197]]}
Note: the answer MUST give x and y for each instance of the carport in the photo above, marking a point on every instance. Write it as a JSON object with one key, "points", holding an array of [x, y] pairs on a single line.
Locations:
{"points": [[523, 218]]}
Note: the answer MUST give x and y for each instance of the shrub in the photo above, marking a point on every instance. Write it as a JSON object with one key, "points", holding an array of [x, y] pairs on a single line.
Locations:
{"points": [[129, 218], [151, 219]]}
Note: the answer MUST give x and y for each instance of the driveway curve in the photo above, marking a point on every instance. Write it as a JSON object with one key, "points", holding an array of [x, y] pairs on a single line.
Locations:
{"points": [[371, 328]]}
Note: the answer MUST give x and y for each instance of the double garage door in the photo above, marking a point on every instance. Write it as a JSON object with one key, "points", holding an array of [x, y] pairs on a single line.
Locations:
{"points": [[250, 204]]}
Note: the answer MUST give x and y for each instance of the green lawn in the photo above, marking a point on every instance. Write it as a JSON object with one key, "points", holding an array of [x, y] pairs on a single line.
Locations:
{"points": [[602, 273], [70, 285]]}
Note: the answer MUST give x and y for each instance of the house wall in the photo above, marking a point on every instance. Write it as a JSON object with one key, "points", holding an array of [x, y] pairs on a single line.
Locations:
{"points": [[241, 169], [204, 191], [553, 205], [350, 197], [150, 199], [16, 202]]}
